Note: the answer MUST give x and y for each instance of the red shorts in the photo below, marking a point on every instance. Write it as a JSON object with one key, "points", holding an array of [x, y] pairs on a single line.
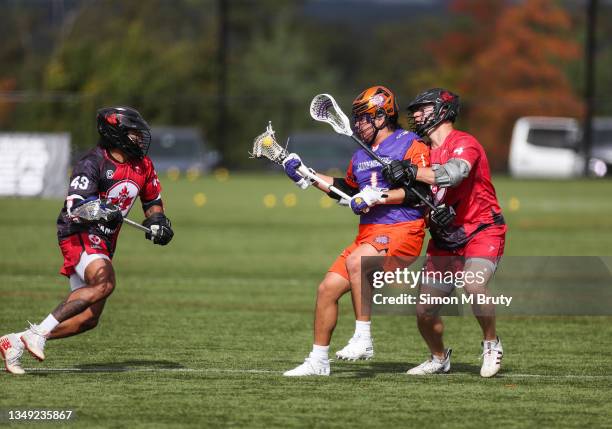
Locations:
{"points": [[487, 244], [399, 239], [75, 244]]}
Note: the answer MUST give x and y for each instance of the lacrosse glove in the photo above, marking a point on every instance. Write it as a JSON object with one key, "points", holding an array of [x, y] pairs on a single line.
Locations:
{"points": [[113, 216], [291, 165], [161, 229], [74, 202], [442, 216], [400, 173], [366, 198]]}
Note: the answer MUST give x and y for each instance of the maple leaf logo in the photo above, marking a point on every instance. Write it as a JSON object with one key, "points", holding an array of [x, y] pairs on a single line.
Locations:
{"points": [[123, 200], [446, 96]]}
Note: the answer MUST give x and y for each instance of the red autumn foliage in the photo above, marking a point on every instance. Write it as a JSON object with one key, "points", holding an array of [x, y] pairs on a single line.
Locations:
{"points": [[6, 107], [509, 64]]}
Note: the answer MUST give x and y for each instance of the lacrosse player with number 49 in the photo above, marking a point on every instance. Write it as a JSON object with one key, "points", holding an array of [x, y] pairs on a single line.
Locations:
{"points": [[391, 222], [108, 178]]}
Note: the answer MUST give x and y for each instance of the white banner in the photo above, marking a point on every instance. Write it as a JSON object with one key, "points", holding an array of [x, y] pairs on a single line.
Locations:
{"points": [[34, 164]]}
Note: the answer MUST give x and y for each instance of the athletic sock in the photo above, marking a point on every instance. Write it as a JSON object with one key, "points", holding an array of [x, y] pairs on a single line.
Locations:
{"points": [[48, 324], [320, 352], [439, 360], [362, 329], [490, 343]]}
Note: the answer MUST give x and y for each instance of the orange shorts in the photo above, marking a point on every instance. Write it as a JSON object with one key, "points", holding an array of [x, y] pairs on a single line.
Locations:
{"points": [[398, 239]]}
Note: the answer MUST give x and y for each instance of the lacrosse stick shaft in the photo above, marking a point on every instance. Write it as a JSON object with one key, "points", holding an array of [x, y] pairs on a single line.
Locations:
{"points": [[307, 173], [373, 155], [319, 110], [136, 225]]}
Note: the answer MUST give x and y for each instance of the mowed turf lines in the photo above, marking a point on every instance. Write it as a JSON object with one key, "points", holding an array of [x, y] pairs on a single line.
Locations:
{"points": [[198, 333]]}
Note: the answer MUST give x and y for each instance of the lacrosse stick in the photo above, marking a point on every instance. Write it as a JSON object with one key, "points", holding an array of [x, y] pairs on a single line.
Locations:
{"points": [[265, 146], [96, 210], [324, 108]]}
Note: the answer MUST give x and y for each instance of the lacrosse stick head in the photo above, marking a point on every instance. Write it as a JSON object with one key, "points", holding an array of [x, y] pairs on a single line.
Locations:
{"points": [[95, 209], [266, 146], [324, 108]]}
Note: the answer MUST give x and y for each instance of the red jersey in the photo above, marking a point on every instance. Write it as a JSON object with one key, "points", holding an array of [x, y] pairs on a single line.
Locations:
{"points": [[474, 199], [99, 175]]}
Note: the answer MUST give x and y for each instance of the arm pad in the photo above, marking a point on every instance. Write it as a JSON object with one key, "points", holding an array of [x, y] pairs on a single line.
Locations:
{"points": [[451, 173], [344, 187]]}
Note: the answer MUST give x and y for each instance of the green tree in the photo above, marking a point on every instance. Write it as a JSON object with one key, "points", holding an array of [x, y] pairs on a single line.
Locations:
{"points": [[275, 79], [155, 59]]}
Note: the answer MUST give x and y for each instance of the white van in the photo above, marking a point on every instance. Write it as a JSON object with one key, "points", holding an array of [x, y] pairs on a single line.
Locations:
{"points": [[546, 147]]}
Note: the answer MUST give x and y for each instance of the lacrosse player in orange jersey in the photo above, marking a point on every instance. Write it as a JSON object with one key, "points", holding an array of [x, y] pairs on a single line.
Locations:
{"points": [[391, 222]]}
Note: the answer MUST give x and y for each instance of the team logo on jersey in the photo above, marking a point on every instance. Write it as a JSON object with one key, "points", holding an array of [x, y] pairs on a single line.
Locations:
{"points": [[95, 241], [123, 195], [382, 239], [371, 163], [109, 174], [458, 151]]}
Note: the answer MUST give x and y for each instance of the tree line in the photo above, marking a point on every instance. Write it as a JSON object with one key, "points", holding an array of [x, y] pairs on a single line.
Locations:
{"points": [[506, 60]]}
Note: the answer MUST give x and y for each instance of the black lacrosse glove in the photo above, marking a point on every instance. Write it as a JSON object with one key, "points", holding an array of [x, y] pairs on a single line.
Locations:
{"points": [[442, 216], [400, 173], [161, 229]]}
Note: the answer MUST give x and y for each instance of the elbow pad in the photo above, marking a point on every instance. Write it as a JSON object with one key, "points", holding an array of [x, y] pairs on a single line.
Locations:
{"points": [[452, 173], [344, 187]]}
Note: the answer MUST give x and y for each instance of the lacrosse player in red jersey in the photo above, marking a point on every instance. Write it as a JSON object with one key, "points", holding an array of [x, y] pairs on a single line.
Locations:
{"points": [[391, 223], [474, 237], [118, 171]]}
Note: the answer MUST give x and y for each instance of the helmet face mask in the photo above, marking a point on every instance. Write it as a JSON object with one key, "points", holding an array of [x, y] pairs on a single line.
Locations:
{"points": [[124, 128], [365, 127], [374, 103], [431, 108]]}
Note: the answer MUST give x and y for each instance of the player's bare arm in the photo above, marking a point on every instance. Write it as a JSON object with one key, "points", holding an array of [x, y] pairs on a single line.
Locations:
{"points": [[153, 209]]}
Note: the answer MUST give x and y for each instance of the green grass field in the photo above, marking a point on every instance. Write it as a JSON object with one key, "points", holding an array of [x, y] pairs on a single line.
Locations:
{"points": [[198, 333]]}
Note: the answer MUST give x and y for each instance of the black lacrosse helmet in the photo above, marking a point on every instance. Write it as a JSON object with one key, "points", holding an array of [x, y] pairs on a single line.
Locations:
{"points": [[446, 108], [124, 128]]}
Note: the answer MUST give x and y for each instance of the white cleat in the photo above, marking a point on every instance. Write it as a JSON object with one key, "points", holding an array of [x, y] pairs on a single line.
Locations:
{"points": [[357, 348], [11, 349], [433, 365], [34, 341], [311, 366], [492, 353]]}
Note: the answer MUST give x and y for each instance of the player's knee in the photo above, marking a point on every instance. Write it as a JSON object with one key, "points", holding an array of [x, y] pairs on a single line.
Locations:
{"points": [[353, 264], [108, 288], [426, 313], [326, 291], [102, 290]]}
